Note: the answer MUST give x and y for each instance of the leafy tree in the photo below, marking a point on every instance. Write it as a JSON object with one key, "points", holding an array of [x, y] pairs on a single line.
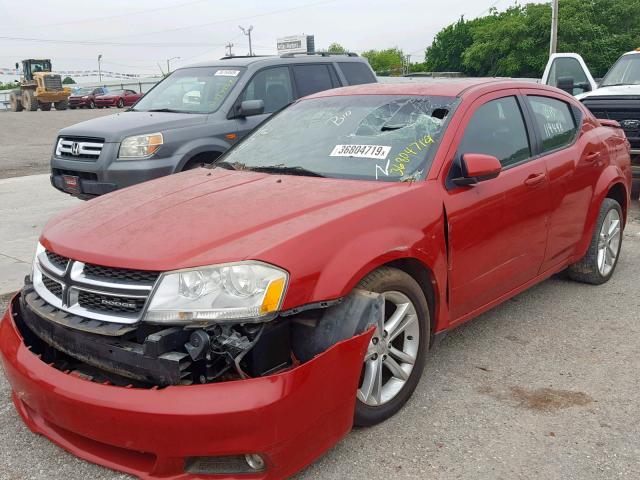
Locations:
{"points": [[68, 81], [386, 62], [9, 85], [515, 42], [336, 48]]}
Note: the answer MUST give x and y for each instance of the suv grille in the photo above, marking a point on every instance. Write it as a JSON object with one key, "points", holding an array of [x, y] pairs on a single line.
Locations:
{"points": [[53, 83], [80, 147], [91, 291]]}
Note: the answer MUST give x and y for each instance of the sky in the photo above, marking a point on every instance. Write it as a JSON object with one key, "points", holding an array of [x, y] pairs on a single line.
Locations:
{"points": [[139, 37]]}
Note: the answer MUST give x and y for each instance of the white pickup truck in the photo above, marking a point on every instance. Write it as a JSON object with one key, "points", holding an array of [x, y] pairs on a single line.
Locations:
{"points": [[615, 97]]}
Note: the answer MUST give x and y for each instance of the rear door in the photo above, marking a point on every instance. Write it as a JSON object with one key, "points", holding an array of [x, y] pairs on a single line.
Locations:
{"points": [[574, 155], [497, 228], [569, 72]]}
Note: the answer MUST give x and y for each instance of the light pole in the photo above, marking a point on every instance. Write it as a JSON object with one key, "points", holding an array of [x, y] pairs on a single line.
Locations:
{"points": [[168, 67], [553, 47], [99, 68], [247, 32]]}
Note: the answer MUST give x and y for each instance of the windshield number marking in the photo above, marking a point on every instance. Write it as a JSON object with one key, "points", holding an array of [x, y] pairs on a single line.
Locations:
{"points": [[226, 73], [377, 152], [404, 156]]}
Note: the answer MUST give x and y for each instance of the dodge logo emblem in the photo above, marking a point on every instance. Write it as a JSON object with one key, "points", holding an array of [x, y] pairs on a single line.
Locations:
{"points": [[75, 149], [630, 124]]}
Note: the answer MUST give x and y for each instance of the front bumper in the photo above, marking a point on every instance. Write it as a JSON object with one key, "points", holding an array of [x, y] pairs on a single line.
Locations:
{"points": [[106, 103], [289, 418], [106, 174], [79, 102]]}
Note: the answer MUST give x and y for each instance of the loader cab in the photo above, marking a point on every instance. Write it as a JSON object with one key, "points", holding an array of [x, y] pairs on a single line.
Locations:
{"points": [[31, 66]]}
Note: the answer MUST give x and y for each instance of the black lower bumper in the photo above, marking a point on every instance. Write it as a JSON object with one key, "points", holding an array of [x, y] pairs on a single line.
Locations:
{"points": [[86, 187]]}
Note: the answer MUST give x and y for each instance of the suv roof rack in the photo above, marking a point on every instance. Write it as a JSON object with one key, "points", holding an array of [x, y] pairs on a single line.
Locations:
{"points": [[323, 54], [227, 57]]}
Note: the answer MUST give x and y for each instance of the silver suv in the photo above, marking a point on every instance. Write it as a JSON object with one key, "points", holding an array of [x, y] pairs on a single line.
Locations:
{"points": [[191, 117]]}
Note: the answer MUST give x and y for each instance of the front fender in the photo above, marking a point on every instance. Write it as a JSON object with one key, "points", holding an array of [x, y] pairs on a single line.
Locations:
{"points": [[610, 176], [199, 145]]}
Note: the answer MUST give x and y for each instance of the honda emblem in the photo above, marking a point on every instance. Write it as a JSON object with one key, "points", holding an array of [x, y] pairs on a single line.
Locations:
{"points": [[75, 149]]}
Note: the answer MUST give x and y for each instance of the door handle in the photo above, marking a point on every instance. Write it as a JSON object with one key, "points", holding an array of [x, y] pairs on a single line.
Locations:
{"points": [[590, 157], [535, 179]]}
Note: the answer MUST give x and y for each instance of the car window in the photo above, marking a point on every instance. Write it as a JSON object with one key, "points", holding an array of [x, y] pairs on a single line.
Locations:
{"points": [[312, 78], [568, 67], [357, 73], [271, 85], [497, 128], [555, 122]]}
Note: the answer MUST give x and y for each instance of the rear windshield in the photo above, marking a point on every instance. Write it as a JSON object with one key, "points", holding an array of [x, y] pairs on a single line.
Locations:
{"points": [[368, 137]]}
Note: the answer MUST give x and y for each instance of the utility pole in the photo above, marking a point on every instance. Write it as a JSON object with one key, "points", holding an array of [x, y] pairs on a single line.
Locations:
{"points": [[99, 69], [554, 28], [247, 32], [229, 46], [169, 60]]}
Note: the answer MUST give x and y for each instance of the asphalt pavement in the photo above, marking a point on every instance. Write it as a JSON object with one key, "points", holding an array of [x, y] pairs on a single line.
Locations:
{"points": [[544, 386], [27, 138]]}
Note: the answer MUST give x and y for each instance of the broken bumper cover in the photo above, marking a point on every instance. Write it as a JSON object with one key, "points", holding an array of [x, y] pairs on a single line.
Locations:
{"points": [[290, 419]]}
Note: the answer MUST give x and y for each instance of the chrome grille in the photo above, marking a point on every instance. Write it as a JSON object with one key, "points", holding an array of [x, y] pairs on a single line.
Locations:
{"points": [[79, 147], [91, 291]]}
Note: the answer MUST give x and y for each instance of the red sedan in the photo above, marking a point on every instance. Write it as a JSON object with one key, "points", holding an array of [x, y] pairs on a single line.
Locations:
{"points": [[239, 319], [117, 98]]}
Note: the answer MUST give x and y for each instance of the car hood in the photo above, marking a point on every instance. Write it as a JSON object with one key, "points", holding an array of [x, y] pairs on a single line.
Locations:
{"points": [[619, 90], [113, 128], [205, 217]]}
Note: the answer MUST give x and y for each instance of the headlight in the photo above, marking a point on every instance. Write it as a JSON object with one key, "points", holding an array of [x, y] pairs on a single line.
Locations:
{"points": [[85, 97], [236, 291], [140, 146]]}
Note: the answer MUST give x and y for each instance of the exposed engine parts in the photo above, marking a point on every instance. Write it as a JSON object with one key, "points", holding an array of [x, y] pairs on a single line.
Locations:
{"points": [[157, 356]]}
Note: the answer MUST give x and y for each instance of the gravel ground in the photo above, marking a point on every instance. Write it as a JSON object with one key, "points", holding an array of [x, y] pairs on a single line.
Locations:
{"points": [[27, 138], [543, 386]]}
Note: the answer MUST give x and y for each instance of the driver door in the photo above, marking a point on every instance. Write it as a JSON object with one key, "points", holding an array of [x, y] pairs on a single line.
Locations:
{"points": [[497, 228]]}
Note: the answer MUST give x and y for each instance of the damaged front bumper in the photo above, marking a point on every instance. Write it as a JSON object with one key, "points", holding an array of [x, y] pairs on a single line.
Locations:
{"points": [[288, 419]]}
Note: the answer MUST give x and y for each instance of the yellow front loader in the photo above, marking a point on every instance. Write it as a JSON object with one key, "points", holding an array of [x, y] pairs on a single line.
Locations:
{"points": [[39, 88]]}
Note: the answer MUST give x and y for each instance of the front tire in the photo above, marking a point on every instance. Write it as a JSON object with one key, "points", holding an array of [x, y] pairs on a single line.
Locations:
{"points": [[92, 105], [601, 259], [120, 103], [396, 355], [62, 105]]}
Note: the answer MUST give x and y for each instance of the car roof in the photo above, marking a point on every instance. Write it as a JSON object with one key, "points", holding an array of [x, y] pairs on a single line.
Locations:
{"points": [[277, 60], [445, 87]]}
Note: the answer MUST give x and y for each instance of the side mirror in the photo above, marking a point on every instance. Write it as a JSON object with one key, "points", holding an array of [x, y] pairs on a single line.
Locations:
{"points": [[17, 66], [567, 84], [477, 167], [248, 108]]}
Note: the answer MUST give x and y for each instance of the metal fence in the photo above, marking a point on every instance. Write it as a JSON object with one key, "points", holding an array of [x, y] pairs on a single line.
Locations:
{"points": [[141, 86]]}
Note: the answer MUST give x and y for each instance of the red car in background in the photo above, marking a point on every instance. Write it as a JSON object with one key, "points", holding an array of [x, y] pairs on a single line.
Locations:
{"points": [[118, 98], [238, 320], [85, 97]]}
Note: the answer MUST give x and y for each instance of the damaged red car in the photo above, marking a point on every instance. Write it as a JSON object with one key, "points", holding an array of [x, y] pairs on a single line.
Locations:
{"points": [[237, 320]]}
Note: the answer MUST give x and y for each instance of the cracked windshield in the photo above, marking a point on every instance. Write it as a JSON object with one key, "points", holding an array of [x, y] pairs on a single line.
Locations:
{"points": [[369, 137]]}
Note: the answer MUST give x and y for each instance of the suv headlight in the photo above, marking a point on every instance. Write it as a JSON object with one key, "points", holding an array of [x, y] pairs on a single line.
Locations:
{"points": [[140, 146], [244, 291]]}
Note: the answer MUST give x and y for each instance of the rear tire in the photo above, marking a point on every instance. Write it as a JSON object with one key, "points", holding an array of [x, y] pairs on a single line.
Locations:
{"points": [[16, 102], [45, 107], [120, 103], [601, 259], [62, 105], [29, 100], [92, 105], [396, 355]]}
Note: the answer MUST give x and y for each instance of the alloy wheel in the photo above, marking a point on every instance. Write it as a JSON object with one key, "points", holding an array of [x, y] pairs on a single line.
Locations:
{"points": [[609, 242], [392, 351]]}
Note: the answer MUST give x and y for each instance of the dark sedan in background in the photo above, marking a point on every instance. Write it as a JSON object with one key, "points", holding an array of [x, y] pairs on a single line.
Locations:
{"points": [[85, 97], [118, 98]]}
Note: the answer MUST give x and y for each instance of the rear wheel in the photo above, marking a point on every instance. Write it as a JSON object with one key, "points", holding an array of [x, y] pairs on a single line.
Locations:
{"points": [[29, 100], [62, 105], [92, 104], [120, 103], [16, 103], [45, 107], [598, 265], [396, 354]]}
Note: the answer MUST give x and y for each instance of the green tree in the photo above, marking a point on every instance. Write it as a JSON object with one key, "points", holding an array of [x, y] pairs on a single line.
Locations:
{"points": [[386, 62], [68, 81], [445, 53], [336, 48]]}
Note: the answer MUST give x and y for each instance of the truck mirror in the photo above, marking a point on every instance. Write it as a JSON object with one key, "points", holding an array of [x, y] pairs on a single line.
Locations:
{"points": [[567, 84]]}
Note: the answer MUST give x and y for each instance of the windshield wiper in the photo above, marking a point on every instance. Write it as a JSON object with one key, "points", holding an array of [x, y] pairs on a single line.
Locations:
{"points": [[284, 170], [224, 164], [169, 110], [617, 84]]}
